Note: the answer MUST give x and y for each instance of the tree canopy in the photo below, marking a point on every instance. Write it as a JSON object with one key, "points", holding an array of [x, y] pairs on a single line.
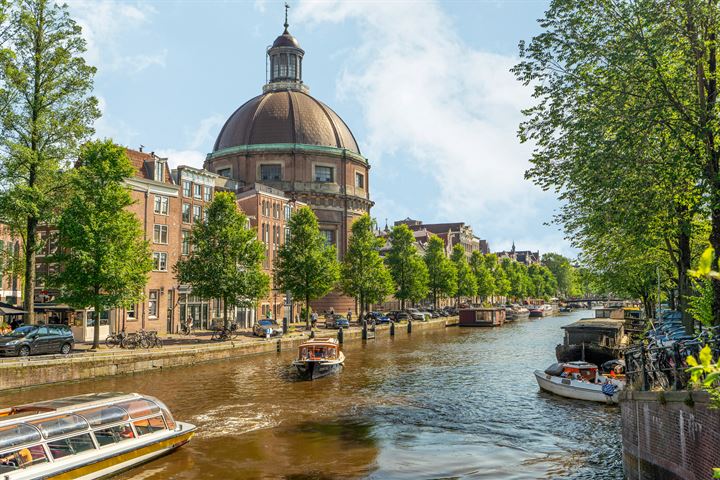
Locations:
{"points": [[466, 284], [442, 276], [408, 271]]}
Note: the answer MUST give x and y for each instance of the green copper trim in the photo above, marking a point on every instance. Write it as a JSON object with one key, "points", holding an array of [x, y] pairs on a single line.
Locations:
{"points": [[286, 147]]}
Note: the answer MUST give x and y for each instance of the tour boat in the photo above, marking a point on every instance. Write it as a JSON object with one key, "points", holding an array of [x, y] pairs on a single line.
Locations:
{"points": [[319, 357], [581, 381], [86, 436]]}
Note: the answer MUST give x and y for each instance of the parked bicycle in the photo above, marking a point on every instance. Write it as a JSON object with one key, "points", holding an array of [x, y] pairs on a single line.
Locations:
{"points": [[142, 339], [187, 328], [115, 339], [224, 333]]}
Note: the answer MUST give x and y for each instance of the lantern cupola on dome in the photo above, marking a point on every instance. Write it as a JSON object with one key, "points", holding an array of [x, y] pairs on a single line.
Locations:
{"points": [[285, 57]]}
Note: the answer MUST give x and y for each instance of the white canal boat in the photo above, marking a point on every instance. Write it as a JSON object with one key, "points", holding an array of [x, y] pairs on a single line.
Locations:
{"points": [[580, 381], [86, 436]]}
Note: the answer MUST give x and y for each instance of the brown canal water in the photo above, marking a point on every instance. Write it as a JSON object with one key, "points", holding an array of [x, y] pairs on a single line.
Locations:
{"points": [[452, 403]]}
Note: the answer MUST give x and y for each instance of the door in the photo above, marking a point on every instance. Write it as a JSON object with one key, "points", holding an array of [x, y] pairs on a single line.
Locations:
{"points": [[43, 340], [56, 339]]}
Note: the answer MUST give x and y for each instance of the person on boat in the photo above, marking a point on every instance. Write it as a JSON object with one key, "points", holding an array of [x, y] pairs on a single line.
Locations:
{"points": [[18, 459]]}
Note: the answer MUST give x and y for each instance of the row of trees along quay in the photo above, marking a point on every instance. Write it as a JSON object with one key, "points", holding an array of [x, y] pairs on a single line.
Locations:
{"points": [[625, 130], [52, 173]]}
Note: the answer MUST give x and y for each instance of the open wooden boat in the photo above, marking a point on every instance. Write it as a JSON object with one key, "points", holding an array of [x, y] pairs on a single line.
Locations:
{"points": [[86, 436], [580, 381], [319, 357]]}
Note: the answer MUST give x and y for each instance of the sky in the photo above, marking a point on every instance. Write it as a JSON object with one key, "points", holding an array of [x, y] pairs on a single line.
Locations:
{"points": [[425, 86]]}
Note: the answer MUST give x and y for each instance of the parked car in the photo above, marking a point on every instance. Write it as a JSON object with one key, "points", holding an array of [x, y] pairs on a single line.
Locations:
{"points": [[336, 321], [418, 315], [397, 316], [379, 318], [265, 326], [37, 339]]}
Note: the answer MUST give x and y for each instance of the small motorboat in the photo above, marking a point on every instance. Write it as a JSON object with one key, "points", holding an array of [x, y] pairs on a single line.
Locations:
{"points": [[319, 357], [86, 436], [516, 312], [581, 381]]}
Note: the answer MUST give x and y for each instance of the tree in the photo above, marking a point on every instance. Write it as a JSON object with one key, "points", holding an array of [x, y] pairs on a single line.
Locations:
{"points": [[364, 274], [562, 271], [483, 276], [226, 258], [306, 265], [103, 256], [466, 284], [408, 271], [46, 114], [441, 272]]}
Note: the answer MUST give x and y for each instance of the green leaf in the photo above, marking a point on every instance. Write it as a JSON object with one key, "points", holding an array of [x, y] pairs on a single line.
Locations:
{"points": [[705, 263], [692, 362], [706, 356]]}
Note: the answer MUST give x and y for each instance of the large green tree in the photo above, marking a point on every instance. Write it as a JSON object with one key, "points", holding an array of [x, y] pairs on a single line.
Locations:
{"points": [[103, 257], [226, 258], [442, 276], [562, 270], [408, 271], [483, 276], [306, 265], [46, 113], [629, 162], [364, 274], [465, 284]]}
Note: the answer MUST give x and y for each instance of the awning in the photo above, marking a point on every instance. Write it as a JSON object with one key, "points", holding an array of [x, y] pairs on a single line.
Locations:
{"points": [[10, 311], [43, 307]]}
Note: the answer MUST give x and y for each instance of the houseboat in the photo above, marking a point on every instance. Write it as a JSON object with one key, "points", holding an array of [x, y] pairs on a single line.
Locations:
{"points": [[516, 312], [595, 340], [481, 317], [541, 310], [319, 357], [86, 436], [580, 381]]}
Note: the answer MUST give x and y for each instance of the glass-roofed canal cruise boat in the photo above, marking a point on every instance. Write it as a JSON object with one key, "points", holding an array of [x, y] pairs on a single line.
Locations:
{"points": [[86, 436], [319, 357]]}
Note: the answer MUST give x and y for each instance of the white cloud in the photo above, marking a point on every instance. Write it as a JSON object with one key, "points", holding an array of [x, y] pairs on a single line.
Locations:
{"points": [[451, 109], [192, 158], [106, 25], [204, 135]]}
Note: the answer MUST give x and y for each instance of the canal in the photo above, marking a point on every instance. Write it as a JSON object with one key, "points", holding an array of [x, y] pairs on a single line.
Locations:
{"points": [[453, 403]]}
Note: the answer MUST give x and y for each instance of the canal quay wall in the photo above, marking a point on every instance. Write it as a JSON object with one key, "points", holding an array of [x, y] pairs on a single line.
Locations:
{"points": [[18, 373], [669, 435]]}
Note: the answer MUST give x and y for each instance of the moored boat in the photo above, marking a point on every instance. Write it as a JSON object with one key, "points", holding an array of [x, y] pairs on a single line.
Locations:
{"points": [[580, 381], [516, 312], [481, 317], [86, 436], [319, 357]]}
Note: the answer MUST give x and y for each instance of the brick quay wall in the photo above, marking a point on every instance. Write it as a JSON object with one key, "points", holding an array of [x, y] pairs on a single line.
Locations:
{"points": [[18, 373], [669, 435]]}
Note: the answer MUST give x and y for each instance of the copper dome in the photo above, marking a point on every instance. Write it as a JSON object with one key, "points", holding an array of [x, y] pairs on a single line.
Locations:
{"points": [[285, 117]]}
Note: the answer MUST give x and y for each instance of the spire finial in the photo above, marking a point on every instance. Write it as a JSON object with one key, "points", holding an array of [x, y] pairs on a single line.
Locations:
{"points": [[286, 24]]}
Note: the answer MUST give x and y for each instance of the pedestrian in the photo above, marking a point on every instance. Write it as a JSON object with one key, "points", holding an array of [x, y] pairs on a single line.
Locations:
{"points": [[15, 323], [349, 315], [313, 318]]}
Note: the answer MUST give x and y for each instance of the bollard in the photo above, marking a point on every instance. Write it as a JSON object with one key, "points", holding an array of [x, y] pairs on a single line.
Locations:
{"points": [[409, 325], [364, 330], [285, 325], [340, 335], [392, 328], [312, 334], [279, 346]]}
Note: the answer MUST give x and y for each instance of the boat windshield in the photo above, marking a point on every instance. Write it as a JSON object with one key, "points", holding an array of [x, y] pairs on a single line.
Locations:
{"points": [[19, 434]]}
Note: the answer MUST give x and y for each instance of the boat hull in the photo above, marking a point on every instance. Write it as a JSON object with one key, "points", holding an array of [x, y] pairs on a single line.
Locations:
{"points": [[574, 389], [110, 464], [310, 370]]}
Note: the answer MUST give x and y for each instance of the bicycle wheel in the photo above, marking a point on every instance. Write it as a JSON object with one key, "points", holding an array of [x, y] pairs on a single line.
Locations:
{"points": [[129, 342], [144, 342], [158, 342], [112, 341], [215, 335]]}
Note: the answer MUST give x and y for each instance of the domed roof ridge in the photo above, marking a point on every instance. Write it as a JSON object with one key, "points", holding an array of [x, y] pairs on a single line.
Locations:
{"points": [[285, 117]]}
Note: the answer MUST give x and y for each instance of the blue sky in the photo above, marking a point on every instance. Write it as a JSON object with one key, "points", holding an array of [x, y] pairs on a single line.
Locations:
{"points": [[424, 86]]}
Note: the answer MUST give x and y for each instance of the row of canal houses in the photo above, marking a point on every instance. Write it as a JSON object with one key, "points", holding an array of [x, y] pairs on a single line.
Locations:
{"points": [[168, 202]]}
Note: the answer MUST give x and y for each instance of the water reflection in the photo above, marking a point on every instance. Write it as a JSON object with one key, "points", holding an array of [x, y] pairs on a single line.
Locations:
{"points": [[457, 403]]}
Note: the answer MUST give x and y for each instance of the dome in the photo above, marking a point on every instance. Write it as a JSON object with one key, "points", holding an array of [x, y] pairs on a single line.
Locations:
{"points": [[288, 116], [286, 40]]}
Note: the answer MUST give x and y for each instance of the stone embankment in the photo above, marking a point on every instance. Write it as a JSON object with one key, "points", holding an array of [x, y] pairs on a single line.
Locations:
{"points": [[669, 435], [16, 373]]}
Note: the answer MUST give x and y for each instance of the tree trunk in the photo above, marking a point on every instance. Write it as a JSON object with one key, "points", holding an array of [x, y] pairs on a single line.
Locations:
{"points": [[29, 286], [225, 314], [307, 313], [96, 327]]}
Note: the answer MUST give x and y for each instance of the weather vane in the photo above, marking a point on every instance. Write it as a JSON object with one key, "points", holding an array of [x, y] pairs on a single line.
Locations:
{"points": [[286, 15]]}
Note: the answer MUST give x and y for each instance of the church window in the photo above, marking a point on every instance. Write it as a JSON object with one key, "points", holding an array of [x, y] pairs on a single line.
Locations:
{"points": [[359, 180], [329, 236], [291, 66], [283, 66], [323, 174], [224, 172], [270, 172]]}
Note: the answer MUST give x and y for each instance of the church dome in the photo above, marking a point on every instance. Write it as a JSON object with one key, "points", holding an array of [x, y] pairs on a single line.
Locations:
{"points": [[285, 116]]}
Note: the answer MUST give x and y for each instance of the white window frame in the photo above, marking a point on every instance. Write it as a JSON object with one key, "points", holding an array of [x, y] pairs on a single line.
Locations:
{"points": [[159, 171], [208, 193], [158, 230], [185, 243], [189, 211], [160, 261], [332, 173], [197, 191], [359, 180], [161, 205], [187, 188], [196, 213], [153, 303]]}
